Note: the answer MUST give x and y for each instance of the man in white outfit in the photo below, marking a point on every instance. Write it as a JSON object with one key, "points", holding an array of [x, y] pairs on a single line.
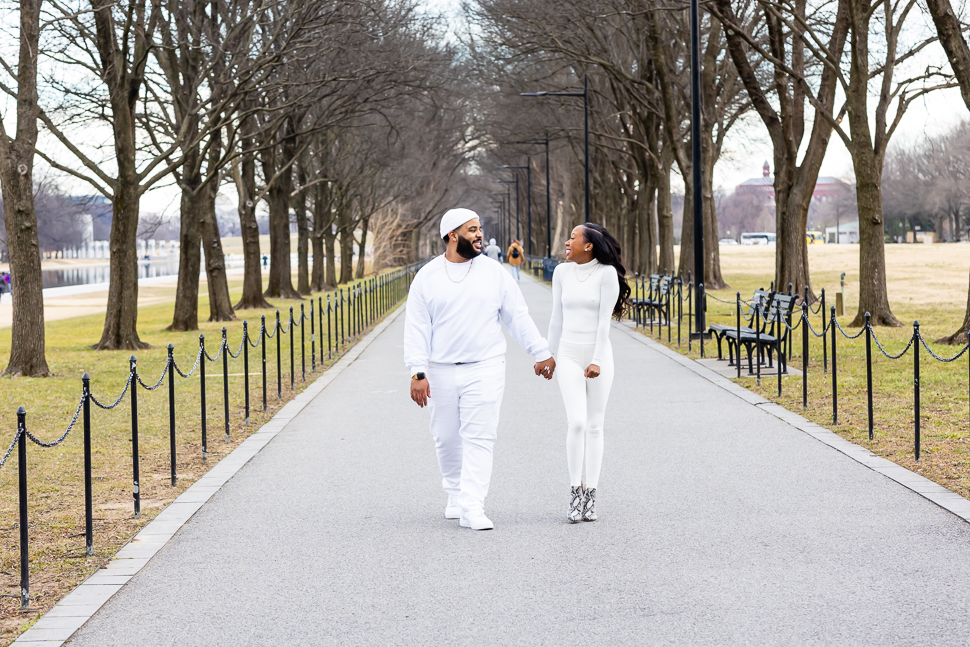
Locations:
{"points": [[453, 342]]}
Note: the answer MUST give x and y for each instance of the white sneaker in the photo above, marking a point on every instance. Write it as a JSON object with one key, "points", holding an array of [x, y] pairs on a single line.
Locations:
{"points": [[452, 510], [475, 520]]}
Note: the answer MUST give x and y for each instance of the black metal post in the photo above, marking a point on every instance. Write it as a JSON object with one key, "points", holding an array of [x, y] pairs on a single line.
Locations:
{"points": [[916, 415], [246, 366], [88, 494], [825, 351], [695, 100], [805, 312], [22, 480], [737, 350], [869, 373], [548, 205], [757, 336], [171, 409], [835, 382], [262, 334], [135, 488], [202, 361], [225, 379], [279, 372], [292, 367], [329, 331], [303, 340]]}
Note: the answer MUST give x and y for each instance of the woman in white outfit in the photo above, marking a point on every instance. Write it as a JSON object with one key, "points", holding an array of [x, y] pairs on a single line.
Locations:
{"points": [[586, 293]]}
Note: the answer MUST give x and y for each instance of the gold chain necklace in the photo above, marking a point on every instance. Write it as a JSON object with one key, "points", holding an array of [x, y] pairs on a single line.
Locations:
{"points": [[467, 272], [591, 272]]}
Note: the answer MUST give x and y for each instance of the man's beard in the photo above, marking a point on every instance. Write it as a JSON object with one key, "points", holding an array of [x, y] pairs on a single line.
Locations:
{"points": [[466, 249]]}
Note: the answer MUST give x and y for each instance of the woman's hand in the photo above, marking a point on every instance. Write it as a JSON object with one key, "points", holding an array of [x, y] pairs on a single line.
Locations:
{"points": [[592, 371]]}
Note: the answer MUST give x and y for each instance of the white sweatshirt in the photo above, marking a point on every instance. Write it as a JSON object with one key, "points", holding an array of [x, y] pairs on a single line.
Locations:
{"points": [[459, 319], [583, 297]]}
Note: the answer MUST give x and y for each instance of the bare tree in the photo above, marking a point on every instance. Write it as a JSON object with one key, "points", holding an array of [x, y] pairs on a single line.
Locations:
{"points": [[27, 344]]}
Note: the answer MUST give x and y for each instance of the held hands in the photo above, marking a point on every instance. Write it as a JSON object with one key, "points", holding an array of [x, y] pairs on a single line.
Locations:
{"points": [[592, 371], [420, 392], [545, 369]]}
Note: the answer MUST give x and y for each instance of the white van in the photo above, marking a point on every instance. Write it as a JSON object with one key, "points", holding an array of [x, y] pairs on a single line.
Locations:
{"points": [[758, 238]]}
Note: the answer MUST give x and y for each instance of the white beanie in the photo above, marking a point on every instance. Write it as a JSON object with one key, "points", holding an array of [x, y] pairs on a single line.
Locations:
{"points": [[455, 218]]}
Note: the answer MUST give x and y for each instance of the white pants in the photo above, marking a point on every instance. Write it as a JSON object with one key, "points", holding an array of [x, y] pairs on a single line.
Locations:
{"points": [[585, 401], [465, 402]]}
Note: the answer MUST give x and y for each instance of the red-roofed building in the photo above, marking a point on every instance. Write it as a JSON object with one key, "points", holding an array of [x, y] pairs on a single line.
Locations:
{"points": [[826, 188]]}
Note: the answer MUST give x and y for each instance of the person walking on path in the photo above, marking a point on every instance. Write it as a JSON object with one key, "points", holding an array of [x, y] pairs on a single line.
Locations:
{"points": [[515, 257], [493, 251], [586, 291], [454, 349]]}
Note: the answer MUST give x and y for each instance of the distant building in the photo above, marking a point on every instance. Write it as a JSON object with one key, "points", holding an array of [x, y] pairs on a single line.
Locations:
{"points": [[844, 233], [826, 188]]}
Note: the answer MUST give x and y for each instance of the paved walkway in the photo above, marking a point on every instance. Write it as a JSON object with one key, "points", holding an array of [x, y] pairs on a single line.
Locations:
{"points": [[720, 524]]}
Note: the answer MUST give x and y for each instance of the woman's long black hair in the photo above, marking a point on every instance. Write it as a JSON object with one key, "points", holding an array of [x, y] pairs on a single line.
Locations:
{"points": [[607, 251]]}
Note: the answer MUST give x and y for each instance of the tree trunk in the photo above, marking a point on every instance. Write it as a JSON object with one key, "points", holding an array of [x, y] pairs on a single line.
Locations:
{"points": [[330, 239], [686, 262], [362, 249], [873, 292], [713, 280], [186, 315], [321, 223], [302, 240], [950, 31], [665, 216], [647, 226], [220, 305], [121, 319], [27, 342], [252, 294], [345, 229]]}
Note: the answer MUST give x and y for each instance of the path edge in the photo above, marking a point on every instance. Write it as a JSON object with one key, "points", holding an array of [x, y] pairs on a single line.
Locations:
{"points": [[70, 613], [930, 490]]}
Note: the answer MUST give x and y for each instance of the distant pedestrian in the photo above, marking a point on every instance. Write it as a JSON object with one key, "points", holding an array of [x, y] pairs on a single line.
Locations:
{"points": [[7, 283], [586, 292], [3, 288], [454, 347], [515, 257], [493, 251]]}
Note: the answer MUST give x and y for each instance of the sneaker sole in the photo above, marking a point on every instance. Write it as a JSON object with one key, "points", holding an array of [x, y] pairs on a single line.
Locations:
{"points": [[464, 524], [452, 515]]}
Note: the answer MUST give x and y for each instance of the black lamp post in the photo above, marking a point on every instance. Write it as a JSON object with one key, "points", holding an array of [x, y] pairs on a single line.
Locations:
{"points": [[545, 142], [514, 181], [499, 203], [585, 95], [528, 195], [695, 100]]}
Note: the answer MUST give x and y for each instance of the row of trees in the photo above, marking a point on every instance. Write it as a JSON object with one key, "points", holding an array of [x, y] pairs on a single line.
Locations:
{"points": [[308, 110], [807, 71]]}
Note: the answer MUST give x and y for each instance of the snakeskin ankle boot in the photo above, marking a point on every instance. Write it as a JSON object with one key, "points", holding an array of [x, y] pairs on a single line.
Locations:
{"points": [[575, 504], [589, 505]]}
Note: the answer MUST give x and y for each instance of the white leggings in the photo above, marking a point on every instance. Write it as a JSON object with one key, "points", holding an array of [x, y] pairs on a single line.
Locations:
{"points": [[585, 401]]}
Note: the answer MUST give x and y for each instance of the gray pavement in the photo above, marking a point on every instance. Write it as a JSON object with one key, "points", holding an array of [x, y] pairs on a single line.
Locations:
{"points": [[720, 524]]}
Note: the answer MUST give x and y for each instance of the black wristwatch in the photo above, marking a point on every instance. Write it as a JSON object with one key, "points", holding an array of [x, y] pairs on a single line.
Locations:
{"points": [[418, 376]]}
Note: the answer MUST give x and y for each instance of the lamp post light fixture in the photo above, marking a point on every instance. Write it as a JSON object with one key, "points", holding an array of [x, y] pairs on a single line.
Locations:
{"points": [[585, 95], [528, 196]]}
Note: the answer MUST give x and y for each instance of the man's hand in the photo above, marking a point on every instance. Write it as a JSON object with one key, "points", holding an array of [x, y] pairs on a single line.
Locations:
{"points": [[546, 369], [420, 392], [592, 371]]}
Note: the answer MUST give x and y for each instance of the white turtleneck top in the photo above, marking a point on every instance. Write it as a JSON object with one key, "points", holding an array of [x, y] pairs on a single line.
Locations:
{"points": [[455, 313], [583, 297]]}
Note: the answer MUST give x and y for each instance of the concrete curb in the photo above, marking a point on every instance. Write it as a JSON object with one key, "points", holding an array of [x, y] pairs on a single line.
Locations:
{"points": [[922, 486], [56, 626]]}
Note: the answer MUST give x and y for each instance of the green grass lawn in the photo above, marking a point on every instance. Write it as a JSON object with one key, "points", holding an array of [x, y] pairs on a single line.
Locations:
{"points": [[55, 475]]}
